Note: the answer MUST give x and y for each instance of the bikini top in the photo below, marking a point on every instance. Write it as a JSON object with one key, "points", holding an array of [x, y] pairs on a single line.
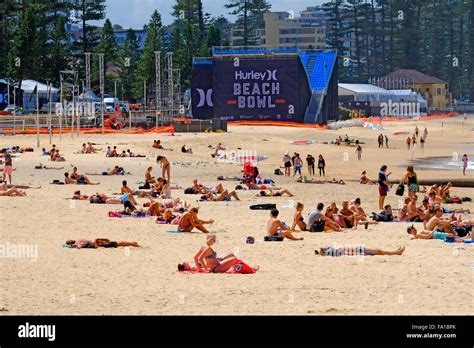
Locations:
{"points": [[213, 255]]}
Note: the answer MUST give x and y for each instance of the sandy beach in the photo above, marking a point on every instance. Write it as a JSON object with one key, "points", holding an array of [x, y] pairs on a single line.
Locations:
{"points": [[431, 278]]}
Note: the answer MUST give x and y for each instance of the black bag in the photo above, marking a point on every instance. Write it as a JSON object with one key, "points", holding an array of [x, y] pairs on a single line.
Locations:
{"points": [[461, 231], [145, 187], [278, 172], [400, 190], [318, 226], [190, 191]]}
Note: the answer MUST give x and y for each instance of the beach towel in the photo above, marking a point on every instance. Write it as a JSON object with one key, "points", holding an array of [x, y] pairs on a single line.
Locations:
{"points": [[267, 206], [239, 267], [464, 242]]}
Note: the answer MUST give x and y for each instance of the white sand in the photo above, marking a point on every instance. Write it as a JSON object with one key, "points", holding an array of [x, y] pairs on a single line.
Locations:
{"points": [[431, 278]]}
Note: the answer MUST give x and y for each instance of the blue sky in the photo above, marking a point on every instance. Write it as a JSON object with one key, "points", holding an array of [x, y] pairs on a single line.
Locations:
{"points": [[136, 13]]}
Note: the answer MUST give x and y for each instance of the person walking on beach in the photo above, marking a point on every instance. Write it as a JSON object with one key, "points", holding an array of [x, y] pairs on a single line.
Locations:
{"points": [[386, 141], [425, 133], [298, 163], [465, 161], [414, 141], [322, 166], [287, 163], [8, 166], [310, 160], [408, 143], [417, 131], [384, 185], [359, 152]]}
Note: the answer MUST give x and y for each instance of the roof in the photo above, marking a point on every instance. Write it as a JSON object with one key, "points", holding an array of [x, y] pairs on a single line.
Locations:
{"points": [[413, 76], [363, 88], [29, 86]]}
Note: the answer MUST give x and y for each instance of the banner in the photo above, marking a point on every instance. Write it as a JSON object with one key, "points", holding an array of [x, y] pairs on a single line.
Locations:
{"points": [[202, 91], [258, 89]]}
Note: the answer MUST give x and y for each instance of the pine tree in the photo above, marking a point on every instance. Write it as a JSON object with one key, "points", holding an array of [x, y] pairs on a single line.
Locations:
{"points": [[88, 10], [146, 66]]}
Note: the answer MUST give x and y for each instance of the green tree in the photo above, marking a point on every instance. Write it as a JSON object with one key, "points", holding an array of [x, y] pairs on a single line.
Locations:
{"points": [[88, 10], [146, 66], [129, 57]]}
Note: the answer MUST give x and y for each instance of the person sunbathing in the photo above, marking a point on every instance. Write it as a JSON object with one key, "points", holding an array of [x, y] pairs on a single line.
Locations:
{"points": [[364, 179], [99, 198], [42, 167], [112, 152], [91, 149], [298, 220], [83, 180], [11, 192], [220, 197], [111, 172], [270, 193], [157, 145], [206, 259], [184, 149], [318, 222], [360, 213], [127, 190], [275, 228], [169, 218], [348, 218], [56, 157], [357, 251], [176, 205], [190, 221], [134, 155], [424, 234], [79, 197], [333, 217], [438, 223], [98, 243]]}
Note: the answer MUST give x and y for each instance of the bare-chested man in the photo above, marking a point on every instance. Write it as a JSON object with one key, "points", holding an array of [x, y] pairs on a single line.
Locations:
{"points": [[275, 228], [438, 223]]}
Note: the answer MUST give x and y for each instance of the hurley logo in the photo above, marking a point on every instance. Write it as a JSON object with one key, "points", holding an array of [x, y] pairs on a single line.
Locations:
{"points": [[37, 331]]}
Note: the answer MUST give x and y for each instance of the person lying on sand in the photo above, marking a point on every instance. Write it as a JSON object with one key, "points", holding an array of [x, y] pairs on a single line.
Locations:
{"points": [[270, 193], [157, 208], [316, 181], [190, 221], [42, 167], [133, 155], [433, 235], [206, 259], [79, 197], [11, 192], [111, 172], [357, 251], [220, 197], [83, 180], [98, 243], [275, 228], [255, 187], [169, 218]]}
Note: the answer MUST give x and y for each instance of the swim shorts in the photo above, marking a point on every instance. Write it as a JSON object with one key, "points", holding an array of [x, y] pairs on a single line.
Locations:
{"points": [[383, 190], [8, 170]]}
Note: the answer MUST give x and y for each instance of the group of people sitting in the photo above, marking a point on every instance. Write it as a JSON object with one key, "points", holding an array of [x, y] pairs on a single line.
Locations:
{"points": [[89, 149], [112, 152]]}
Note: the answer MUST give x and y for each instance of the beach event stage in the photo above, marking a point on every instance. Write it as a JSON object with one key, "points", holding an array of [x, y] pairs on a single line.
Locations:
{"points": [[282, 84]]}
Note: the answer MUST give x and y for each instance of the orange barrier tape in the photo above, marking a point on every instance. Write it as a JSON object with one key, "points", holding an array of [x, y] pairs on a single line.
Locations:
{"points": [[43, 131]]}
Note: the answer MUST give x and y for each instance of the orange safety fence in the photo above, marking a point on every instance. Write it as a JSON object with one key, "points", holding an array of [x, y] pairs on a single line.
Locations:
{"points": [[31, 131], [277, 124], [421, 118]]}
